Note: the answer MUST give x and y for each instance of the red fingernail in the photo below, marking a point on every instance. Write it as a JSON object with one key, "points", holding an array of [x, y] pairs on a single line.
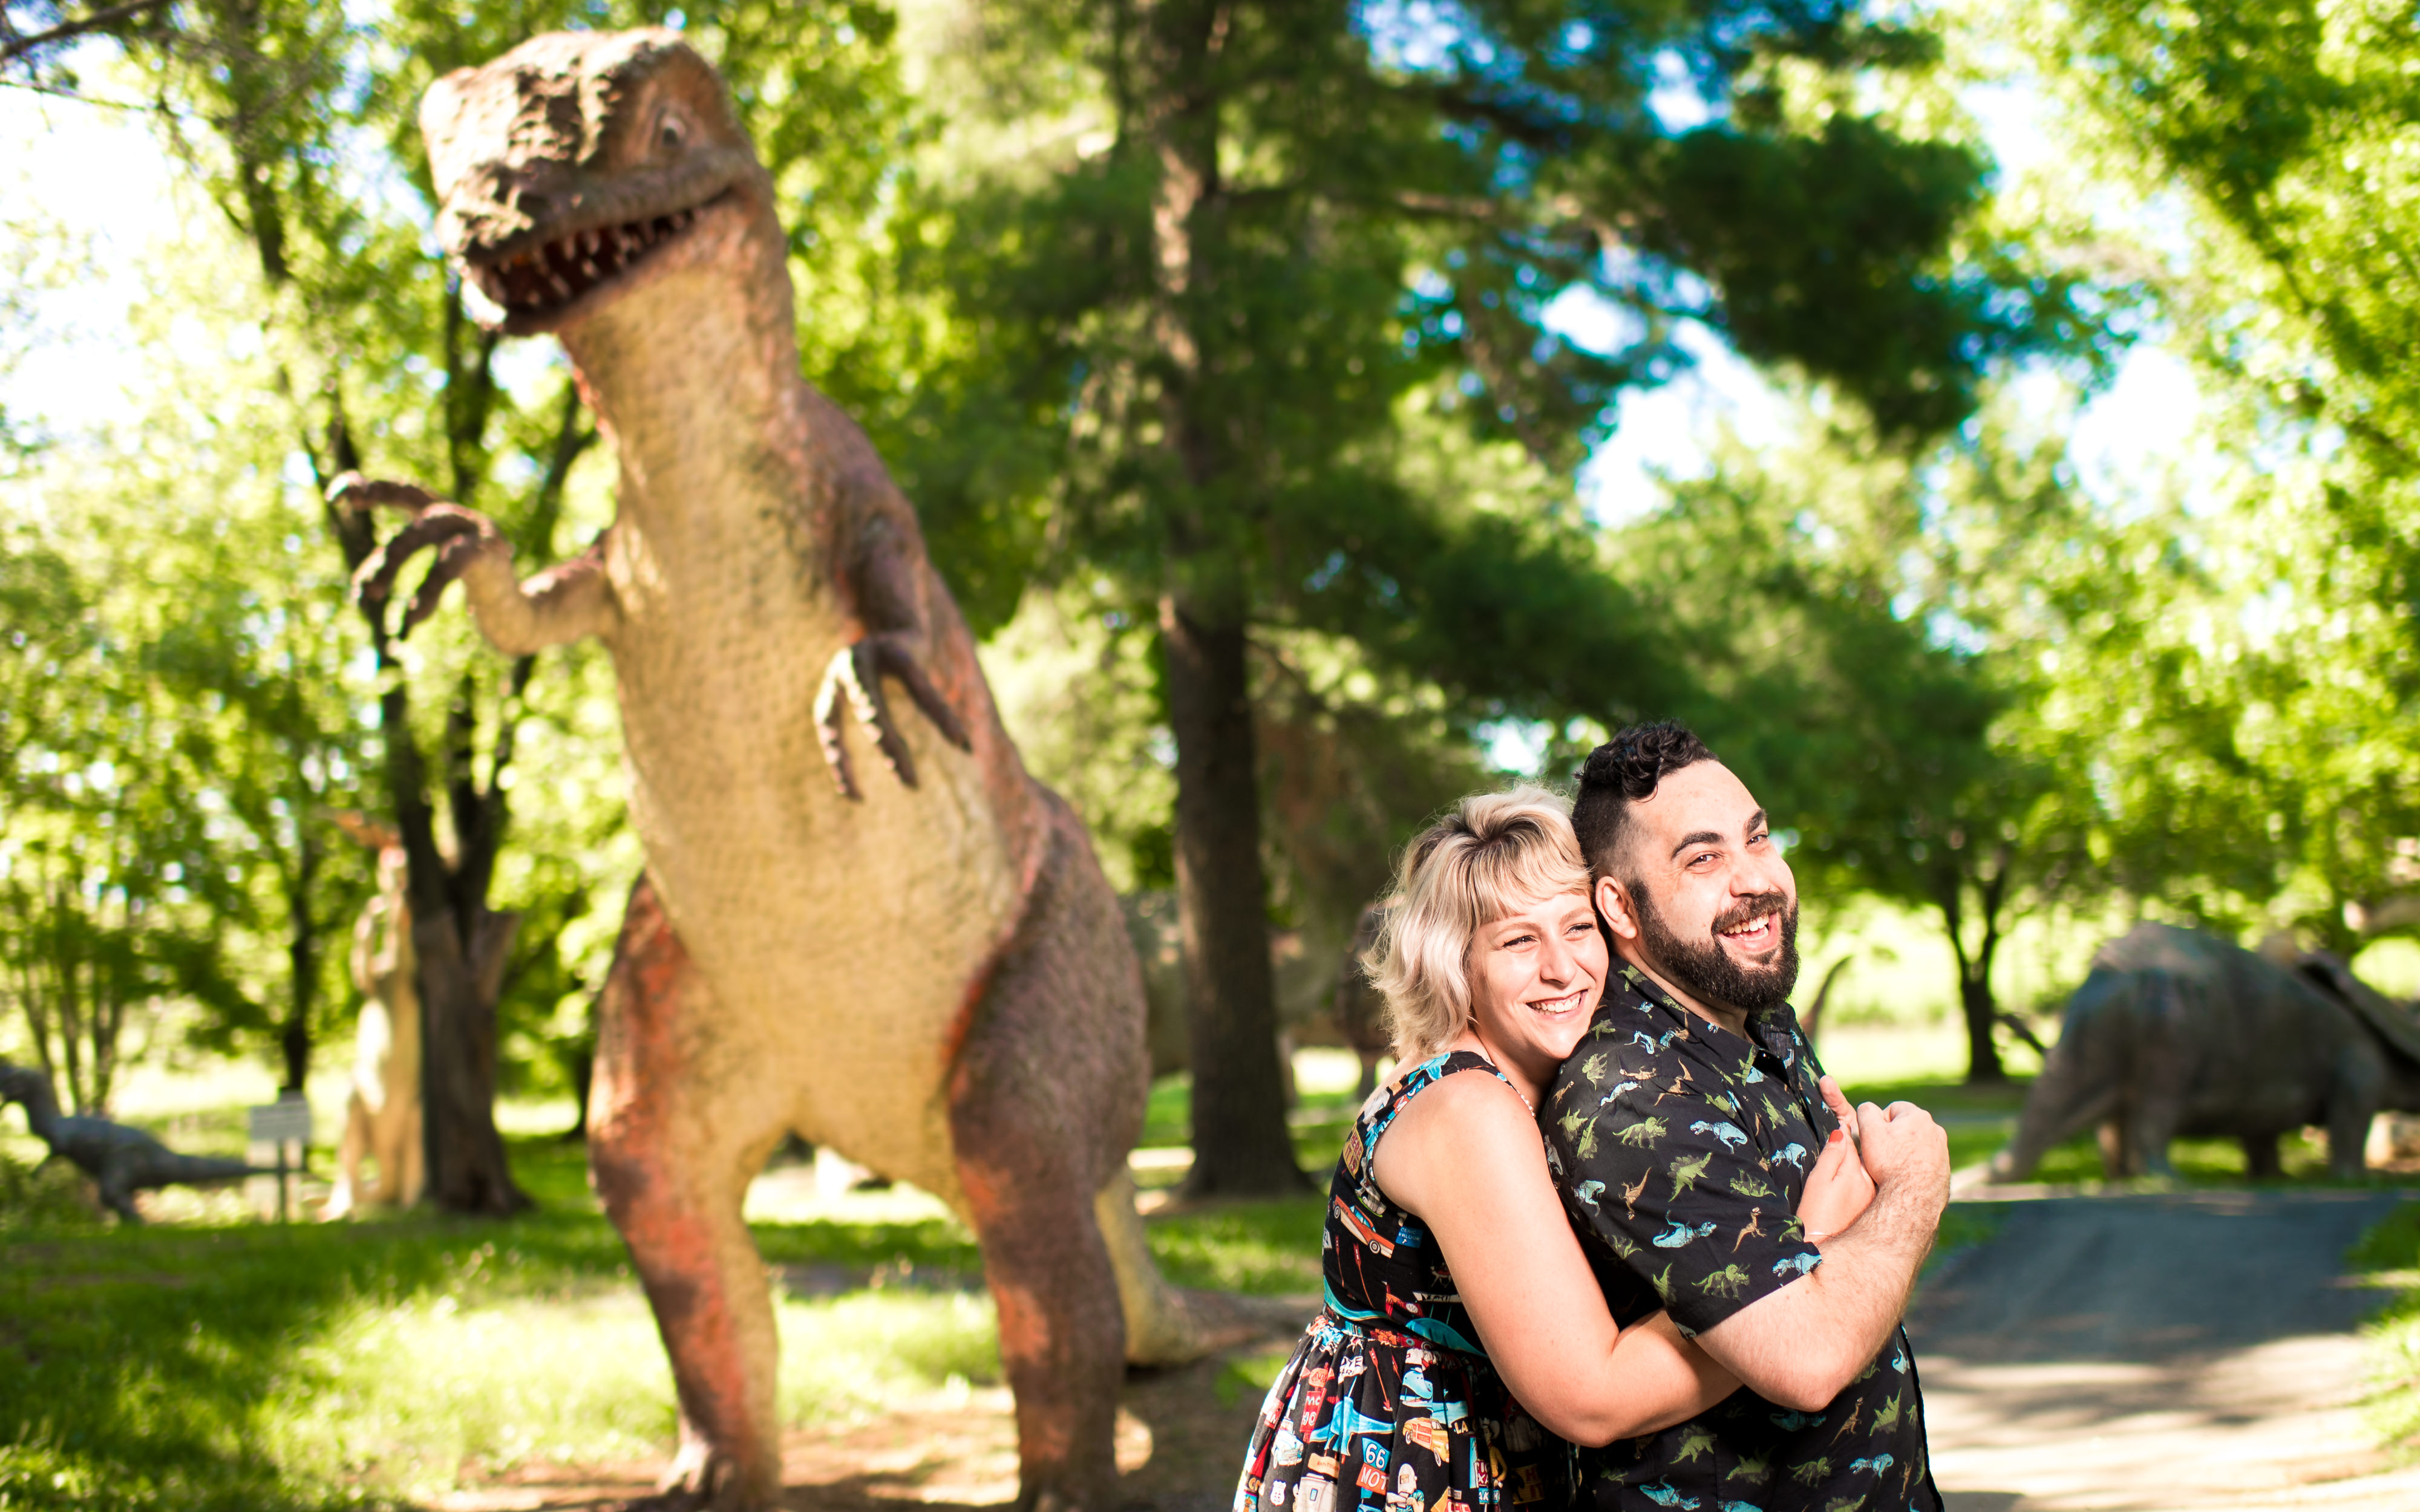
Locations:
{"points": [[1837, 1136]]}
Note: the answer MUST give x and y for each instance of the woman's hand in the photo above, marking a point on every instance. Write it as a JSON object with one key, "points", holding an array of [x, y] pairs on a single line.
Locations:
{"points": [[1839, 1188]]}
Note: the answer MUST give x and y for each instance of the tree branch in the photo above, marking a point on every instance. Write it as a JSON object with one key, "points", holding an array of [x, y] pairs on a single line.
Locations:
{"points": [[18, 47]]}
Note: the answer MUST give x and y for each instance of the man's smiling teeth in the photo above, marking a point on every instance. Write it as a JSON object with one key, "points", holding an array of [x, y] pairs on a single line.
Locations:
{"points": [[1755, 928]]}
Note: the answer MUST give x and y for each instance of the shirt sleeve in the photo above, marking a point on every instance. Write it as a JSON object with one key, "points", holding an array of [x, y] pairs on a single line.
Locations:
{"points": [[1667, 1178]]}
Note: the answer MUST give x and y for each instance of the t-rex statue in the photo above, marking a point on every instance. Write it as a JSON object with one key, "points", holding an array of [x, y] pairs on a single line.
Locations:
{"points": [[382, 1114], [2178, 1032], [120, 1161], [923, 966]]}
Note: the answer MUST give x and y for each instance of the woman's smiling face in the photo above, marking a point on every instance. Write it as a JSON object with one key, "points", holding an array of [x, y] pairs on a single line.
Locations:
{"points": [[1535, 978]]}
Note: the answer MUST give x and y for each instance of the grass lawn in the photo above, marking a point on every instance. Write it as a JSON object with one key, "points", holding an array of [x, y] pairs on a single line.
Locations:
{"points": [[253, 1366], [2389, 1254], [218, 1363]]}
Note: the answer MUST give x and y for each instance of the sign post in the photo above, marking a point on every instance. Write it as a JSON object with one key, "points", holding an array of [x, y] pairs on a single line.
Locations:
{"points": [[288, 1119]]}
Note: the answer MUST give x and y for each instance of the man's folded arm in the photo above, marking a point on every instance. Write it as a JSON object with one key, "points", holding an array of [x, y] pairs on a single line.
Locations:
{"points": [[1800, 1347], [1795, 1322]]}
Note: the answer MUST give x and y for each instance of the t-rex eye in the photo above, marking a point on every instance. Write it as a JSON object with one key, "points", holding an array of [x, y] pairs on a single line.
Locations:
{"points": [[671, 133]]}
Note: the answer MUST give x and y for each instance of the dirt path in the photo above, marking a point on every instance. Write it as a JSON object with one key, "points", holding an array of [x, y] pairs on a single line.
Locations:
{"points": [[2187, 1350]]}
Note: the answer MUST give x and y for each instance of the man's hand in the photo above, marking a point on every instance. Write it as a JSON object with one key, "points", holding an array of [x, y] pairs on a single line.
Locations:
{"points": [[1801, 1346], [1908, 1154]]}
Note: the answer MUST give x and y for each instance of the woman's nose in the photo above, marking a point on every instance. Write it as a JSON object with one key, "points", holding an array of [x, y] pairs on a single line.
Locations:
{"points": [[1556, 963]]}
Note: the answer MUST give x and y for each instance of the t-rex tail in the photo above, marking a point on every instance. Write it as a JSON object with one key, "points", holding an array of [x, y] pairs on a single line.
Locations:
{"points": [[1169, 1325]]}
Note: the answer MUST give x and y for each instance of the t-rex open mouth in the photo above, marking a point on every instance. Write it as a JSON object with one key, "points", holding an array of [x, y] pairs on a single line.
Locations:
{"points": [[542, 280]]}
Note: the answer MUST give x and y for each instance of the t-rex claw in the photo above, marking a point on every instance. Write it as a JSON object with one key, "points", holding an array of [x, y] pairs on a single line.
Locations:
{"points": [[856, 672], [353, 491], [461, 535]]}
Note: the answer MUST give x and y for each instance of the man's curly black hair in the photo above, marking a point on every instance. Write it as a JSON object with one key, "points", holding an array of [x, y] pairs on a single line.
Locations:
{"points": [[1619, 773]]}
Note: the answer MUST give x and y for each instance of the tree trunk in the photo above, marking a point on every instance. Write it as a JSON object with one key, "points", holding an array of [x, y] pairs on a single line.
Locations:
{"points": [[1241, 1146], [1982, 1015], [459, 985], [303, 959], [1983, 1068], [461, 943]]}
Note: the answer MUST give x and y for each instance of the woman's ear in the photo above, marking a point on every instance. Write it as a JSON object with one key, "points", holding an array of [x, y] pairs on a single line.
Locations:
{"points": [[1613, 907]]}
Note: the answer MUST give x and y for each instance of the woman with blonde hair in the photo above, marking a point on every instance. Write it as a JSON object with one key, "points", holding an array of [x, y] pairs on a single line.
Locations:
{"points": [[1463, 1331]]}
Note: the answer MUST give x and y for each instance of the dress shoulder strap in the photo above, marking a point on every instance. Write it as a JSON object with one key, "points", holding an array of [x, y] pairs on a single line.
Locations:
{"points": [[1378, 1114]]}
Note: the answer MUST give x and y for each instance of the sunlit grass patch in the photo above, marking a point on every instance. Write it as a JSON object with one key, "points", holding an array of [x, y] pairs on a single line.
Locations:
{"points": [[411, 1399], [1271, 1248], [2196, 1161], [2390, 1253]]}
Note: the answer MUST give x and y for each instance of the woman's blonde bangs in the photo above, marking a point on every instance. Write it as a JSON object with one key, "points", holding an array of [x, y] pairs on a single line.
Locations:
{"points": [[1493, 851]]}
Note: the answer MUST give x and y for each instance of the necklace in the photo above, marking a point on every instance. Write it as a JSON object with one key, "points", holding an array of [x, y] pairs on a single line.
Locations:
{"points": [[1495, 1064]]}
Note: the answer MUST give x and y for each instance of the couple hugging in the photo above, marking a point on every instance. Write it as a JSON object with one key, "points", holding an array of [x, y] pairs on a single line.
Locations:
{"points": [[1690, 1298]]}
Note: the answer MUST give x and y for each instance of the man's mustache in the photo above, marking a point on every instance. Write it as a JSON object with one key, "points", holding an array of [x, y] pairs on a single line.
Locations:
{"points": [[1748, 910]]}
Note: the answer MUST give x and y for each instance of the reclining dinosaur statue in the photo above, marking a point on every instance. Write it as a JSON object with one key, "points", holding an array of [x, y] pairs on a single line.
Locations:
{"points": [[120, 1161], [922, 967]]}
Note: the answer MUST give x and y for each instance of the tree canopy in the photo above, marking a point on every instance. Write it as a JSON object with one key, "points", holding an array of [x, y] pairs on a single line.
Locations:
{"points": [[1240, 360]]}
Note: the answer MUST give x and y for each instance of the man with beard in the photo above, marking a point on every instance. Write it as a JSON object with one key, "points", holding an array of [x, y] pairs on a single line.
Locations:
{"points": [[1681, 1132]]}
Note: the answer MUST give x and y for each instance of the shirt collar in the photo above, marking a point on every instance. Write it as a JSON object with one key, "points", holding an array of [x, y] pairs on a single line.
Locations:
{"points": [[1773, 1031]]}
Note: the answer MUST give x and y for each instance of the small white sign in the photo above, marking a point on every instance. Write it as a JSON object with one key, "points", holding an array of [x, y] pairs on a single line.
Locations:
{"points": [[288, 1118]]}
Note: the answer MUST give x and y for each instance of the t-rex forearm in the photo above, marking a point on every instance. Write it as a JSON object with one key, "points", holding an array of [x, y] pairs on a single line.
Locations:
{"points": [[562, 604], [559, 605]]}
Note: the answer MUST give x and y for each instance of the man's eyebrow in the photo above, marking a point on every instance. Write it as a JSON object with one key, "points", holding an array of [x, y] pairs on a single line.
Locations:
{"points": [[1756, 821], [1703, 837]]}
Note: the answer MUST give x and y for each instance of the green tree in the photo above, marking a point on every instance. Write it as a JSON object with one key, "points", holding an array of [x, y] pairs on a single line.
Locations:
{"points": [[1870, 628], [2278, 679], [1267, 246]]}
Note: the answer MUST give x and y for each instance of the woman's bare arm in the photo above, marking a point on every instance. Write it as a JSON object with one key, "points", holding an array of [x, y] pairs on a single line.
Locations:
{"points": [[1464, 1155]]}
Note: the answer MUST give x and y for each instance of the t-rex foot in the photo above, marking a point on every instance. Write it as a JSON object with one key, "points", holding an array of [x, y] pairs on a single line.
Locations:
{"points": [[460, 536], [856, 672], [701, 1480]]}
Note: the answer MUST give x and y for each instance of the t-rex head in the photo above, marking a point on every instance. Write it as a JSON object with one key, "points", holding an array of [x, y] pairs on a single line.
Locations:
{"points": [[582, 165]]}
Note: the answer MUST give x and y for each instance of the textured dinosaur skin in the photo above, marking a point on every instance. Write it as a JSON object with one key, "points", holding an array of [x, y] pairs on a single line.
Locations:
{"points": [[2178, 1032], [922, 967], [120, 1161]]}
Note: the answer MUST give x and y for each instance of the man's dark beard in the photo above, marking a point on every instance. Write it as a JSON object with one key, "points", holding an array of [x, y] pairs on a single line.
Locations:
{"points": [[1704, 970]]}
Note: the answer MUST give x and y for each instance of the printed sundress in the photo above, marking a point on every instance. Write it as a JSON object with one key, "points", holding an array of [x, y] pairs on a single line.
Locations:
{"points": [[1389, 1404]]}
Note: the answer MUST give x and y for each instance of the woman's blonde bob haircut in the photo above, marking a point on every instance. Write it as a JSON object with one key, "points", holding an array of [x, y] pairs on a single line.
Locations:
{"points": [[1494, 852]]}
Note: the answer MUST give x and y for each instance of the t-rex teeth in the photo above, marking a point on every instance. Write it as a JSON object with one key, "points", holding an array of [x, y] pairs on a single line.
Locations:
{"points": [[562, 289]]}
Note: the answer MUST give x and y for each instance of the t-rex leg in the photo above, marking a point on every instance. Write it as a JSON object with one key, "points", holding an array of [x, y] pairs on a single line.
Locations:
{"points": [[1045, 1096], [672, 1172]]}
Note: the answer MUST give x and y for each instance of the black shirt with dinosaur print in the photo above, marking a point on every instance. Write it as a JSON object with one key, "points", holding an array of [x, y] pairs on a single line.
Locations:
{"points": [[1680, 1150]]}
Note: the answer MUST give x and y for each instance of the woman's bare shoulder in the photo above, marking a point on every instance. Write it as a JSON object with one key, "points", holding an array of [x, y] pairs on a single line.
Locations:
{"points": [[1469, 1117]]}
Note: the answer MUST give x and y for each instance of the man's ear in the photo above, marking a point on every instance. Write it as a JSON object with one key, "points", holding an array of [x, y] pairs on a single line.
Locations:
{"points": [[1613, 906]]}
